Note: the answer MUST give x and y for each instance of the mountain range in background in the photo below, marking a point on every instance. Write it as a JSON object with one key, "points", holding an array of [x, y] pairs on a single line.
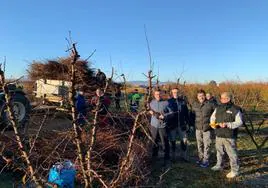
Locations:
{"points": [[145, 83]]}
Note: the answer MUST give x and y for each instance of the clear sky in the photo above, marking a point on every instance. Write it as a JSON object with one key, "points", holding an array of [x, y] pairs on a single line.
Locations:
{"points": [[203, 39]]}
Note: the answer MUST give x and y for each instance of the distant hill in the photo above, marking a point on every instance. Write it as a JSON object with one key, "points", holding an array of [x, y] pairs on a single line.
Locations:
{"points": [[145, 83]]}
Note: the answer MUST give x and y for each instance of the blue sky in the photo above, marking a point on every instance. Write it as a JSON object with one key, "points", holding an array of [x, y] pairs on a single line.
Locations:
{"points": [[204, 40]]}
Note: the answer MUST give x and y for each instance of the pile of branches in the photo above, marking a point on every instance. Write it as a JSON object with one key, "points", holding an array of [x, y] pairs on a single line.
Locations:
{"points": [[60, 69], [111, 147]]}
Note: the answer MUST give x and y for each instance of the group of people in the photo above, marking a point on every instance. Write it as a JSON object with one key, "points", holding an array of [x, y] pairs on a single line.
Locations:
{"points": [[170, 118], [83, 106]]}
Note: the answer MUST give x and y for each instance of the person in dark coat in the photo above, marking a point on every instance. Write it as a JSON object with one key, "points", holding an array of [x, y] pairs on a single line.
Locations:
{"points": [[100, 78], [81, 107], [117, 98], [203, 110], [178, 122], [104, 102], [211, 98]]}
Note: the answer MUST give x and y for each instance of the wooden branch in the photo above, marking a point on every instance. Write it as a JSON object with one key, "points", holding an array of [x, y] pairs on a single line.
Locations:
{"points": [[125, 89], [14, 123], [94, 131], [77, 132], [149, 94], [148, 47], [90, 55], [124, 164], [99, 178]]}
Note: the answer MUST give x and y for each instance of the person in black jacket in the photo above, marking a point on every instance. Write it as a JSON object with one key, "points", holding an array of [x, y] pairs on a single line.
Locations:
{"points": [[100, 78], [226, 119], [117, 98], [177, 123], [211, 98], [203, 110]]}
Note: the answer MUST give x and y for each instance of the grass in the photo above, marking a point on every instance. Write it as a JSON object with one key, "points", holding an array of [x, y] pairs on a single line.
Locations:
{"points": [[6, 180], [182, 174]]}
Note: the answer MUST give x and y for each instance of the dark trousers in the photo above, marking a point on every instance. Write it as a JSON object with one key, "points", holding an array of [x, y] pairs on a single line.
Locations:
{"points": [[160, 134], [117, 104]]}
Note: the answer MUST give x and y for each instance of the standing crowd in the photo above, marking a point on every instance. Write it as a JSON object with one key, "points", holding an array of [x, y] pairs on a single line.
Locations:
{"points": [[170, 119]]}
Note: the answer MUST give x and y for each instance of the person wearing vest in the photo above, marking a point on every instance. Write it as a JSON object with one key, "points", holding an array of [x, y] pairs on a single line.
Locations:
{"points": [[177, 123], [159, 113], [226, 119], [202, 110]]}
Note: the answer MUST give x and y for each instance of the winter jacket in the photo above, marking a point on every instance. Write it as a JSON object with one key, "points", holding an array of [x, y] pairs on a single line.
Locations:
{"points": [[80, 104], [180, 114], [104, 104], [202, 114], [160, 107]]}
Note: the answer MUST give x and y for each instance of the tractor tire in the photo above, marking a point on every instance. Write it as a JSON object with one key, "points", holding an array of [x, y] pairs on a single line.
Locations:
{"points": [[21, 106]]}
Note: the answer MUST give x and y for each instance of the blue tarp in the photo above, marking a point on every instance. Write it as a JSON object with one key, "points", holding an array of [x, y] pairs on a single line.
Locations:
{"points": [[62, 174]]}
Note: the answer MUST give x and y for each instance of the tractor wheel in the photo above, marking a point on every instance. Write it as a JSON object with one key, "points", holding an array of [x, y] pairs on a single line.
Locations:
{"points": [[21, 108]]}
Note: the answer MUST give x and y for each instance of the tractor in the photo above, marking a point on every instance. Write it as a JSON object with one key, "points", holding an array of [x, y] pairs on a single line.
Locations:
{"points": [[21, 107]]}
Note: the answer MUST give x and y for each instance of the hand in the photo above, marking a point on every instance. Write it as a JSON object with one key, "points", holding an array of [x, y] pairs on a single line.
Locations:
{"points": [[151, 112], [161, 117], [223, 125], [7, 160]]}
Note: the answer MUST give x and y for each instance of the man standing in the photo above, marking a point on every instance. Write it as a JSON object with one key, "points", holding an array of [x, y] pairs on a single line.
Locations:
{"points": [[202, 112], [104, 102], [117, 97], [135, 101], [177, 123], [226, 119], [159, 111], [211, 98], [81, 107], [100, 78]]}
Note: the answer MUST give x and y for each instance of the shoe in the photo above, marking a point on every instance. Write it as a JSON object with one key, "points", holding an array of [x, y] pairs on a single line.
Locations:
{"points": [[204, 165], [198, 162], [232, 174], [216, 168]]}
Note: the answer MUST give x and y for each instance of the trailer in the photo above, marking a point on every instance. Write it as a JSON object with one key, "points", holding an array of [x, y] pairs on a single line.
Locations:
{"points": [[52, 91]]}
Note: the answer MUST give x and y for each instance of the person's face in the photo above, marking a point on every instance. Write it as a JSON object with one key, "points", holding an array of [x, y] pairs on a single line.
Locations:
{"points": [[157, 95], [201, 97], [208, 96], [224, 99], [175, 93]]}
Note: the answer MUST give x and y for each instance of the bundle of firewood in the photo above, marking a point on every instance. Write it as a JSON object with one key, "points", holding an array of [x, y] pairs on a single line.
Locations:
{"points": [[60, 69]]}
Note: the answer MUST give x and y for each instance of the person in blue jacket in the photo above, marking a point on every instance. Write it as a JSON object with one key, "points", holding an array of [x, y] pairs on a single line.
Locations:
{"points": [[81, 107]]}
